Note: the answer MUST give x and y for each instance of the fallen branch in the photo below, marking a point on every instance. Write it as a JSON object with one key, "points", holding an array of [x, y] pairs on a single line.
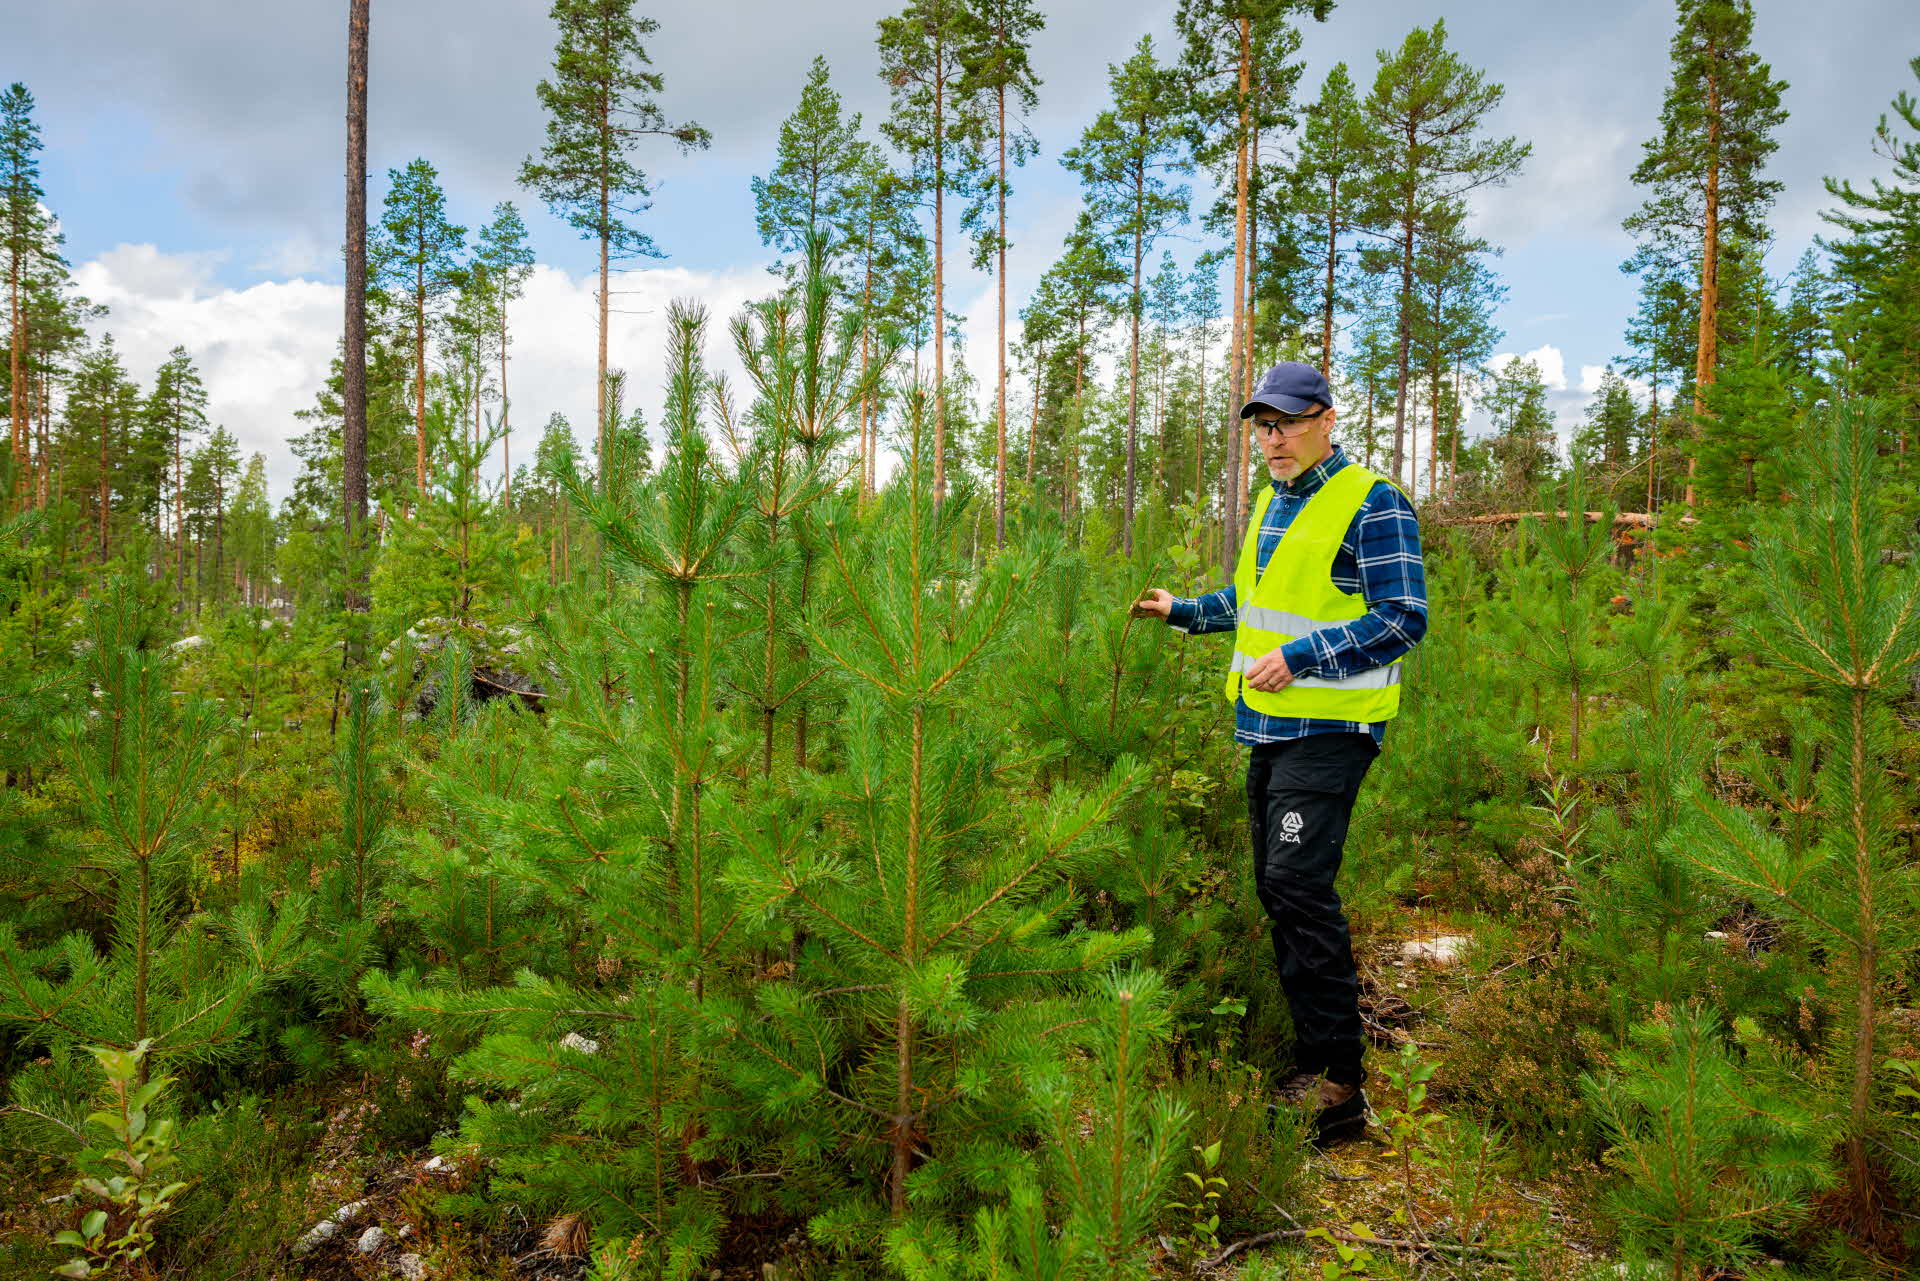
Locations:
{"points": [[1389, 1243], [1639, 520], [1297, 1233]]}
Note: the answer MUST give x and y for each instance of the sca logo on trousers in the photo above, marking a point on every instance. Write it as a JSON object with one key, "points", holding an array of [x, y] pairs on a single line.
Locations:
{"points": [[1290, 824]]}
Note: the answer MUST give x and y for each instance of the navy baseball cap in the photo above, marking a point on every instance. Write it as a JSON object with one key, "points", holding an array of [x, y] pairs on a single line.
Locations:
{"points": [[1291, 388]]}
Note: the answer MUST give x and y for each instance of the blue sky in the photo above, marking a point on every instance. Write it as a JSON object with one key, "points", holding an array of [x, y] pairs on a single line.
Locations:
{"points": [[211, 132]]}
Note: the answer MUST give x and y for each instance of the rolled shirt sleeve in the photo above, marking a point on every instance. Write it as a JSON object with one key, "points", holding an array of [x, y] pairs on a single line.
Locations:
{"points": [[1201, 615]]}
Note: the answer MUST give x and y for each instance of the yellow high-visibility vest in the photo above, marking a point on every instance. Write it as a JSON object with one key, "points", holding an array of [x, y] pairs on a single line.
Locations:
{"points": [[1295, 595]]}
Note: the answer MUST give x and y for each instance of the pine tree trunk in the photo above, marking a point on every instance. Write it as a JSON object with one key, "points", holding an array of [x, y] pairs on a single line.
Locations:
{"points": [[219, 529], [903, 1118], [506, 429], [1333, 259], [1706, 360], [1433, 433], [1405, 320], [866, 400], [1653, 438], [1253, 261], [179, 511], [1069, 438], [1453, 442], [1133, 349], [1033, 426], [939, 274], [420, 376], [16, 357], [142, 956], [105, 426], [1200, 427], [1000, 350], [1236, 366], [1860, 770], [353, 357], [600, 363]]}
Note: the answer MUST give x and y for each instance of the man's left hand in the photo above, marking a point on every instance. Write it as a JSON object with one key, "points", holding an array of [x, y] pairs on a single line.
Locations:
{"points": [[1269, 673]]}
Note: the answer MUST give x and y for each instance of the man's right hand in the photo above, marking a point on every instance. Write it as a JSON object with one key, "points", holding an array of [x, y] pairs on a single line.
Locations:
{"points": [[1155, 604]]}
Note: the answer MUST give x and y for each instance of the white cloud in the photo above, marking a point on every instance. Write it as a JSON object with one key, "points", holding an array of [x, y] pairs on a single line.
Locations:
{"points": [[298, 254], [1553, 365], [265, 350]]}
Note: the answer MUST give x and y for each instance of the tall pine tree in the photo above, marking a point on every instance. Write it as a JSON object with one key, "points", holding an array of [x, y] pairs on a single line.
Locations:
{"points": [[1703, 171], [923, 58], [1122, 160], [416, 255], [600, 102], [1426, 107]]}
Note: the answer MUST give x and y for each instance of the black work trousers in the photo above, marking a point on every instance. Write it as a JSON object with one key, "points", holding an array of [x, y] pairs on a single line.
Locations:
{"points": [[1299, 799]]}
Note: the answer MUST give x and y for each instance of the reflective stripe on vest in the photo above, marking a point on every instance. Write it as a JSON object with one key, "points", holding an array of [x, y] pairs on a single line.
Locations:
{"points": [[1372, 678], [1295, 596]]}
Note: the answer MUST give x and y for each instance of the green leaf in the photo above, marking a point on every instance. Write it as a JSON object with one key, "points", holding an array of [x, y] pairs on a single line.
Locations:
{"points": [[77, 1268], [93, 1224]]}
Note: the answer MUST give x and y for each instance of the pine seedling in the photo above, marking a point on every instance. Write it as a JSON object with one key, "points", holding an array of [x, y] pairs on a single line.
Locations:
{"points": [[454, 560], [1114, 1149], [800, 353], [1555, 624], [1843, 619], [1709, 1156], [1648, 883], [366, 799], [596, 822], [939, 910], [146, 770], [1015, 1242]]}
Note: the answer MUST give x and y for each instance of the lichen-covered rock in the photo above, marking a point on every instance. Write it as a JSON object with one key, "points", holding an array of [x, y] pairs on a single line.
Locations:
{"points": [[495, 666], [316, 1236], [1447, 949], [372, 1241], [411, 1267], [329, 1228]]}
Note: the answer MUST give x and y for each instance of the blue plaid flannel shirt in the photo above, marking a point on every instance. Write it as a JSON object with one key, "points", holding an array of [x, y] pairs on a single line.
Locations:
{"points": [[1379, 559]]}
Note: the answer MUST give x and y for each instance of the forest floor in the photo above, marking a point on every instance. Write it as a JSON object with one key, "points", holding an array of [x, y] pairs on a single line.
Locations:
{"points": [[1458, 1211]]}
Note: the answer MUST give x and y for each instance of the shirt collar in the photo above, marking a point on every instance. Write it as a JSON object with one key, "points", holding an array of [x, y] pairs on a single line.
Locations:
{"points": [[1310, 480]]}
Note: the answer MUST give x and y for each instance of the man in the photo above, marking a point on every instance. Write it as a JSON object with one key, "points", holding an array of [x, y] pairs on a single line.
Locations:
{"points": [[1329, 593]]}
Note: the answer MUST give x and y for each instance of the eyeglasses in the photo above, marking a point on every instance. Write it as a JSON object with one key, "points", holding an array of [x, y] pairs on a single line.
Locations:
{"points": [[1287, 428]]}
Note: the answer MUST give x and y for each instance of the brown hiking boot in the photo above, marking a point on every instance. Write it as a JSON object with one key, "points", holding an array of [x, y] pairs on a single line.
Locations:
{"points": [[1342, 1114], [1299, 1087]]}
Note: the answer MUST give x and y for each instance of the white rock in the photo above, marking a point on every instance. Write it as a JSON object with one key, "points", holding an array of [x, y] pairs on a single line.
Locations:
{"points": [[585, 1045], [436, 1164], [189, 642], [1444, 950], [1716, 934], [411, 1266], [372, 1241], [350, 1213], [318, 1235]]}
